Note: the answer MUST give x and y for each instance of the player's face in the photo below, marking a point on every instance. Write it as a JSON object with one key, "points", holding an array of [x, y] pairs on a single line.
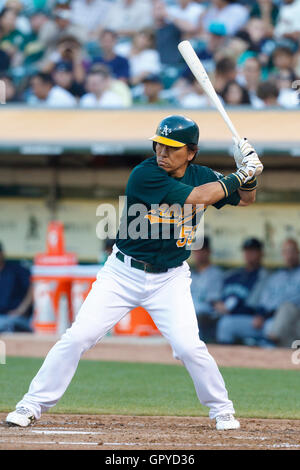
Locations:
{"points": [[174, 160]]}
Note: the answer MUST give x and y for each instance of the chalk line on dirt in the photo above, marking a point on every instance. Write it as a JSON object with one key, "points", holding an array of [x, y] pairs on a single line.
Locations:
{"points": [[57, 432]]}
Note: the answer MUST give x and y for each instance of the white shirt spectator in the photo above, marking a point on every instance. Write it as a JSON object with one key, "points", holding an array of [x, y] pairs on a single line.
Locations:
{"points": [[193, 101], [288, 98], [289, 19], [255, 101], [206, 288], [57, 97], [146, 61], [89, 13], [191, 13], [108, 99], [133, 17], [233, 17]]}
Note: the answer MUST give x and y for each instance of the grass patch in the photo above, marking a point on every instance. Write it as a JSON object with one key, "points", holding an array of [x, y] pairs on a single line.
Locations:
{"points": [[155, 389]]}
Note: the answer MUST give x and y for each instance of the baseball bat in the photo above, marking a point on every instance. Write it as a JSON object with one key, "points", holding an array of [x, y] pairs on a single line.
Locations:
{"points": [[188, 53]]}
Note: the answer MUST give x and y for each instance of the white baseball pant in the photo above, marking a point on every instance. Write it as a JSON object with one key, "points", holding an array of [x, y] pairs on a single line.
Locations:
{"points": [[118, 289]]}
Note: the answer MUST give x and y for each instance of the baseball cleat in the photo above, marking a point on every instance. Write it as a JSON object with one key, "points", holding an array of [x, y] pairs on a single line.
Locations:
{"points": [[226, 422], [20, 417]]}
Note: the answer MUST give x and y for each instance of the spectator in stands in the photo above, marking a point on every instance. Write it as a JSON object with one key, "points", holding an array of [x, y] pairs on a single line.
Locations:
{"points": [[267, 10], [118, 87], [47, 93], [34, 45], [185, 14], [225, 73], [61, 27], [206, 289], [126, 17], [284, 61], [100, 95], [69, 50], [240, 297], [234, 94], [16, 296], [31, 5], [249, 77], [255, 34], [152, 88], [233, 16], [189, 94], [22, 21], [11, 39], [207, 51], [11, 95], [280, 300], [283, 58], [117, 64], [268, 93], [288, 97], [64, 78], [90, 15], [167, 35], [143, 57], [288, 24], [4, 61], [233, 48]]}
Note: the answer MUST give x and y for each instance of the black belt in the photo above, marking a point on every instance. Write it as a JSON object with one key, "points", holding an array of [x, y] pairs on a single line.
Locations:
{"points": [[148, 268]]}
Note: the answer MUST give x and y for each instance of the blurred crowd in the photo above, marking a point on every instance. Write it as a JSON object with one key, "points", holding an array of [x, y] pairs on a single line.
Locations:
{"points": [[119, 53], [249, 305]]}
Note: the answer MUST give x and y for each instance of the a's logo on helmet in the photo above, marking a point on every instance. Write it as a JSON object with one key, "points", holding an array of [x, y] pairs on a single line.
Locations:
{"points": [[165, 130]]}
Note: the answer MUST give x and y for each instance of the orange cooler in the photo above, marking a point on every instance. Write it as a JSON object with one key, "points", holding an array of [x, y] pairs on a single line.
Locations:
{"points": [[83, 278], [52, 281], [137, 323], [52, 299]]}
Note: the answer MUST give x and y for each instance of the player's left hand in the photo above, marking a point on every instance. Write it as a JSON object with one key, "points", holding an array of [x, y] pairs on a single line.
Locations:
{"points": [[237, 154], [242, 149]]}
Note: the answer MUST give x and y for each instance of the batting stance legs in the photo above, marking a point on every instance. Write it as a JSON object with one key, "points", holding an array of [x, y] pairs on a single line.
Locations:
{"points": [[118, 289]]}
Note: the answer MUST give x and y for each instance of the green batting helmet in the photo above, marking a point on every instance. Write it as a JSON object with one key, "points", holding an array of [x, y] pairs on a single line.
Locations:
{"points": [[176, 131]]}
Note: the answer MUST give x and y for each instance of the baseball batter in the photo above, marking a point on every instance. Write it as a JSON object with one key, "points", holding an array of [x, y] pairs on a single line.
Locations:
{"points": [[151, 271]]}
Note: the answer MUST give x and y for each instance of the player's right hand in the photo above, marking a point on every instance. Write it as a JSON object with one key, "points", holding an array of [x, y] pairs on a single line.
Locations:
{"points": [[247, 170], [253, 160]]}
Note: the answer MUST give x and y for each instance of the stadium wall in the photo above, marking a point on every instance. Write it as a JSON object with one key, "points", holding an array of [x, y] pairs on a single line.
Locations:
{"points": [[64, 163]]}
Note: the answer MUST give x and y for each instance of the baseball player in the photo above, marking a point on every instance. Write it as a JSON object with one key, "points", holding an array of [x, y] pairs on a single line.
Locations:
{"points": [[151, 271]]}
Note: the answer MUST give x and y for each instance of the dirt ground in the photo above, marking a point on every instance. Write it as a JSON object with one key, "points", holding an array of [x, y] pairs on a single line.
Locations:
{"points": [[86, 432], [148, 433]]}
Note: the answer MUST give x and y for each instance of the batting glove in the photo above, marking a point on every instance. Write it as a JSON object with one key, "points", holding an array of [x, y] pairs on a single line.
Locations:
{"points": [[253, 160], [242, 151], [247, 171]]}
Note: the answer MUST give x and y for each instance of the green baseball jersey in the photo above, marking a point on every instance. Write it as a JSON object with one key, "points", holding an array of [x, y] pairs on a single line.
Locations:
{"points": [[156, 226]]}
